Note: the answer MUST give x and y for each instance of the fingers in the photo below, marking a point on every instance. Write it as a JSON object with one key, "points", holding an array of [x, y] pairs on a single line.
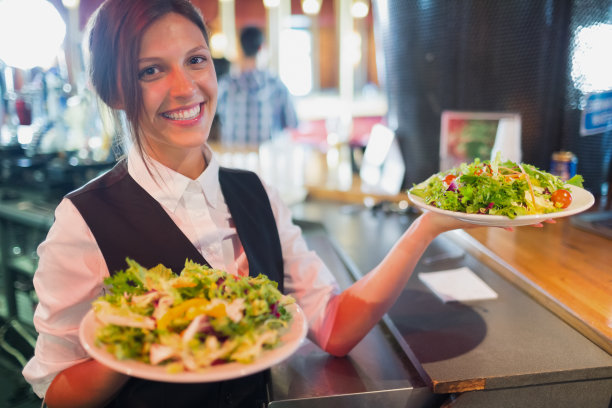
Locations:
{"points": [[541, 224]]}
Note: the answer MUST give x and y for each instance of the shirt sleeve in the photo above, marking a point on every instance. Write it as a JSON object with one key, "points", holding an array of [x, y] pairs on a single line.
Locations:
{"points": [[307, 278], [70, 275]]}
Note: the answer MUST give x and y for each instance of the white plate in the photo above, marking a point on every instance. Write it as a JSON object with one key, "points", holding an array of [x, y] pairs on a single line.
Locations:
{"points": [[582, 200], [291, 340]]}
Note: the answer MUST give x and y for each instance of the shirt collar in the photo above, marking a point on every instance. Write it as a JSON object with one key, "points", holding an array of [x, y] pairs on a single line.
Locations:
{"points": [[209, 179], [166, 185], [252, 79]]}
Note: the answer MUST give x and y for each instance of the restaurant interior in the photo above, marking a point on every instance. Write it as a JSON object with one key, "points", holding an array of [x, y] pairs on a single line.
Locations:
{"points": [[381, 89]]}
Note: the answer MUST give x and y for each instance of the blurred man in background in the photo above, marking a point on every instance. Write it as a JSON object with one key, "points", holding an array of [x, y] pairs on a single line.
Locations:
{"points": [[253, 105]]}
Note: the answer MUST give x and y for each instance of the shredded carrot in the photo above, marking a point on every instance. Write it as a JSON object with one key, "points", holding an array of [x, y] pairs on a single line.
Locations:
{"points": [[510, 177], [509, 169], [535, 206]]}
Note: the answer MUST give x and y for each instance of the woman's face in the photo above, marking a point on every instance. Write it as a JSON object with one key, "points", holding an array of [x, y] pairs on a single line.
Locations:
{"points": [[179, 88]]}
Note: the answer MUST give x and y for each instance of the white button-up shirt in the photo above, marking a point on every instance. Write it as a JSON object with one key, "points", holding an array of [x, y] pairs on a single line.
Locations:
{"points": [[71, 269]]}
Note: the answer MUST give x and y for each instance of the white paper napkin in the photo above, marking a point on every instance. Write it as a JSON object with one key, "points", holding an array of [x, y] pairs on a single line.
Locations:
{"points": [[460, 284]]}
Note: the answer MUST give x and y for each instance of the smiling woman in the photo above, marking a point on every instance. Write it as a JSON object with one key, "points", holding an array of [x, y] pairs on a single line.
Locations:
{"points": [[163, 64], [179, 93]]}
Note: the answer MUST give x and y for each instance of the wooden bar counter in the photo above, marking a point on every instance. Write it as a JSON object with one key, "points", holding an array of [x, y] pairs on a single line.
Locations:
{"points": [[566, 269]]}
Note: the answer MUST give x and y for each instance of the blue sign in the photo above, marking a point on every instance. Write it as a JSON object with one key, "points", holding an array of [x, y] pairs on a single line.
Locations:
{"points": [[597, 114]]}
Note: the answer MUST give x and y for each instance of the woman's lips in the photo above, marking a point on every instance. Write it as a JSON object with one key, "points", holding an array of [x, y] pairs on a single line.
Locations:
{"points": [[184, 115]]}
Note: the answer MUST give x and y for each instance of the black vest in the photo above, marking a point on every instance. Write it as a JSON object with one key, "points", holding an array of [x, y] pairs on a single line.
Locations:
{"points": [[127, 222]]}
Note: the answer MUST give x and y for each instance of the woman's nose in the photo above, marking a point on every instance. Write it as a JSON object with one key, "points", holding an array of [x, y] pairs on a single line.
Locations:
{"points": [[182, 84]]}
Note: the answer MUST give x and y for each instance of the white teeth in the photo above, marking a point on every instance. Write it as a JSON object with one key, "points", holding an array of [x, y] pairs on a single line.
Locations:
{"points": [[186, 114]]}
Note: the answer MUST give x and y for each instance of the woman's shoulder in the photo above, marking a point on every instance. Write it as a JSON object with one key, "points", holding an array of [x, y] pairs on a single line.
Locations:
{"points": [[103, 180]]}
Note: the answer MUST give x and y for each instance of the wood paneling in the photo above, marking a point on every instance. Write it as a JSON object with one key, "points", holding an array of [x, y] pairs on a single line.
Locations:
{"points": [[566, 269], [328, 57]]}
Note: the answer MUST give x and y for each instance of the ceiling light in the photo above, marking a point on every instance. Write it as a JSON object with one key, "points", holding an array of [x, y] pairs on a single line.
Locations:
{"points": [[27, 47], [360, 8], [71, 4], [311, 7], [218, 45]]}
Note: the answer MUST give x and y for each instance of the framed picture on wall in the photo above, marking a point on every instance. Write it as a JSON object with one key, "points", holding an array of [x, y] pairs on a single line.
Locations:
{"points": [[465, 136]]}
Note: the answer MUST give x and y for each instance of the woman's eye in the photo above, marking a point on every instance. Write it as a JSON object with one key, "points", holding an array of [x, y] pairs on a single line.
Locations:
{"points": [[148, 73], [197, 60]]}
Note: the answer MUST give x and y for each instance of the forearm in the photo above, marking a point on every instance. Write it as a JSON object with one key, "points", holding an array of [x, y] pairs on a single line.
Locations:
{"points": [[357, 309], [88, 384]]}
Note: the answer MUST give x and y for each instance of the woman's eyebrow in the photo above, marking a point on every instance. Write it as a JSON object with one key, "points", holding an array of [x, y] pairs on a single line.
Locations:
{"points": [[198, 48], [194, 49]]}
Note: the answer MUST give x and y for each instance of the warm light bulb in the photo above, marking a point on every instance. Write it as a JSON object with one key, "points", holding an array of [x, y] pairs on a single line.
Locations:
{"points": [[271, 3], [71, 4], [311, 7], [24, 47], [218, 45], [360, 8]]}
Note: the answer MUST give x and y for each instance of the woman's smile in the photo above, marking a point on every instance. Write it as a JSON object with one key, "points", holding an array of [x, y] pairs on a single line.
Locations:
{"points": [[185, 115]]}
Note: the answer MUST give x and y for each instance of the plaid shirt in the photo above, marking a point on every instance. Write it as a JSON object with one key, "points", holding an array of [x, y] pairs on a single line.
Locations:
{"points": [[253, 107]]}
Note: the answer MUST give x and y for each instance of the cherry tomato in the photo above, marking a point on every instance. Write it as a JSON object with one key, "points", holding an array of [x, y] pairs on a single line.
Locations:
{"points": [[449, 179], [561, 198]]}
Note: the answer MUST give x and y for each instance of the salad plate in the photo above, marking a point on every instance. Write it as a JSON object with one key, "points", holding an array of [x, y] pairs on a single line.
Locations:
{"points": [[291, 339], [582, 200]]}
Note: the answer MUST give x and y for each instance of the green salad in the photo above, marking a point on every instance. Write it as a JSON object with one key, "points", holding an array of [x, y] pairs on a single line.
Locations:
{"points": [[497, 188], [190, 321]]}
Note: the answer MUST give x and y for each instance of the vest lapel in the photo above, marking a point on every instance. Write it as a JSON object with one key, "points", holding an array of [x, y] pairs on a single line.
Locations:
{"points": [[250, 207]]}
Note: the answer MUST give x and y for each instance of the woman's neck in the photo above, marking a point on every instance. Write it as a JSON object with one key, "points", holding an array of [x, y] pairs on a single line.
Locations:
{"points": [[189, 163]]}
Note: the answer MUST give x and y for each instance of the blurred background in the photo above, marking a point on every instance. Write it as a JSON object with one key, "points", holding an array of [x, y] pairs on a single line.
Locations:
{"points": [[348, 64]]}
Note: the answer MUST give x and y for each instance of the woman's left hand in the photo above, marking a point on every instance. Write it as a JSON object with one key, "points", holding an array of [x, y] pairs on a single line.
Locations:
{"points": [[538, 225], [447, 223]]}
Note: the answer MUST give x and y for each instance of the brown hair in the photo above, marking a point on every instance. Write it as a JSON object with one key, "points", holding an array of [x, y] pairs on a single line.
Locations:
{"points": [[115, 33]]}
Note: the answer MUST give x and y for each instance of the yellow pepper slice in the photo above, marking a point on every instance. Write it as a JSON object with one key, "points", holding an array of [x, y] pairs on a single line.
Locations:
{"points": [[179, 311], [217, 310], [190, 309]]}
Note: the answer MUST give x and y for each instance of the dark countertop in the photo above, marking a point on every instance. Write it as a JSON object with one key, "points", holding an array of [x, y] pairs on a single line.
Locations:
{"points": [[376, 370]]}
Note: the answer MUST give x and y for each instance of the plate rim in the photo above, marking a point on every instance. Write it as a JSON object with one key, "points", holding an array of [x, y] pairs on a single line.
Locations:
{"points": [[502, 220], [294, 337]]}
